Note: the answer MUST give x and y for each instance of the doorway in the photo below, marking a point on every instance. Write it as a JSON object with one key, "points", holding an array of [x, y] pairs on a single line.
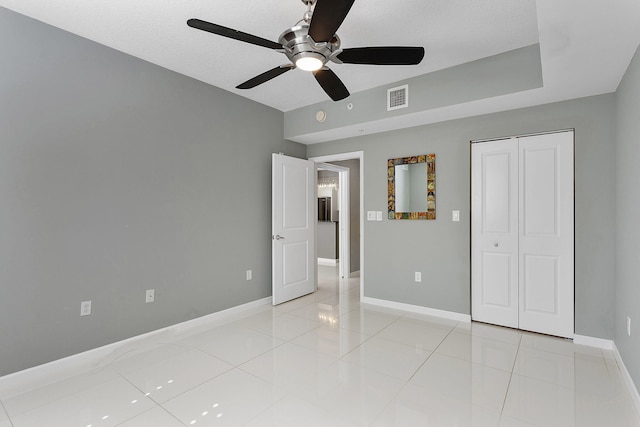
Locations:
{"points": [[349, 169], [332, 228]]}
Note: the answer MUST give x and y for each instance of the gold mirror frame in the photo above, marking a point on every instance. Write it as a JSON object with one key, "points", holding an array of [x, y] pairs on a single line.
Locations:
{"points": [[430, 160]]}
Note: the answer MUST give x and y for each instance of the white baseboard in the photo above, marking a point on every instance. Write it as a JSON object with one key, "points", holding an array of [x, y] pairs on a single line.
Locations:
{"points": [[631, 386], [593, 342], [327, 261], [459, 317], [22, 381]]}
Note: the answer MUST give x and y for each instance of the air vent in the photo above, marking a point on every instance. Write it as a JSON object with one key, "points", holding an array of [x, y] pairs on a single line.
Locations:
{"points": [[397, 97]]}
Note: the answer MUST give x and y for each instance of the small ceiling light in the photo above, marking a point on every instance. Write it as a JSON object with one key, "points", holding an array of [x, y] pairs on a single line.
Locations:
{"points": [[321, 116], [309, 63]]}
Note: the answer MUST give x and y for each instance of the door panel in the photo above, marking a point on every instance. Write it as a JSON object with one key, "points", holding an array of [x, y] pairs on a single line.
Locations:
{"points": [[540, 285], [294, 263], [539, 191], [496, 270], [293, 228], [494, 258], [497, 197], [547, 235]]}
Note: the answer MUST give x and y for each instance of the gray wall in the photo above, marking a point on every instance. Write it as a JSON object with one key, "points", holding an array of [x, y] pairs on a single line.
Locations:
{"points": [[118, 176], [327, 240], [627, 214], [394, 250], [505, 73]]}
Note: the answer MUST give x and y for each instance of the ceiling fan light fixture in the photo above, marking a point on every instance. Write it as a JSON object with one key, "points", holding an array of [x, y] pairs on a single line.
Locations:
{"points": [[309, 62], [312, 42]]}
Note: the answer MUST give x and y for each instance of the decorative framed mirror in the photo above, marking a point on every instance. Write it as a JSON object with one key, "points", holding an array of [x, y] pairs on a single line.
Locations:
{"points": [[411, 183]]}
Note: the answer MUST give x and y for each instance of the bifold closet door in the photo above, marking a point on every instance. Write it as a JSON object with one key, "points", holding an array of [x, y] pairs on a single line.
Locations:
{"points": [[523, 233], [494, 232], [546, 266]]}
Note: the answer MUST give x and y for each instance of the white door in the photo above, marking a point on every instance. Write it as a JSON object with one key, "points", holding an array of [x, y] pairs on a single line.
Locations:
{"points": [[494, 232], [522, 233], [293, 228], [546, 234]]}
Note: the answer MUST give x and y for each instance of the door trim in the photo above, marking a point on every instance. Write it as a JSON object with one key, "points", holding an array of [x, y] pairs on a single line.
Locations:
{"points": [[524, 135], [344, 244]]}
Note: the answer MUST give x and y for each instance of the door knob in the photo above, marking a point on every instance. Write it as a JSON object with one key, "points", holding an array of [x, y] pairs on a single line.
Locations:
{"points": [[279, 237]]}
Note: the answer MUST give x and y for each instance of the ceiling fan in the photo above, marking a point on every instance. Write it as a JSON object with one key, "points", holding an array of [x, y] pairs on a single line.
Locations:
{"points": [[313, 42]]}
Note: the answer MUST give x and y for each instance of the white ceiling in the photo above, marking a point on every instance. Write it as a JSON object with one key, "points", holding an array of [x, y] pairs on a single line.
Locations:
{"points": [[586, 45]]}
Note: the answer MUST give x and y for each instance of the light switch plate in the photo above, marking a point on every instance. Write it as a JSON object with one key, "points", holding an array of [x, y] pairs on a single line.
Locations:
{"points": [[371, 215], [455, 216], [378, 215]]}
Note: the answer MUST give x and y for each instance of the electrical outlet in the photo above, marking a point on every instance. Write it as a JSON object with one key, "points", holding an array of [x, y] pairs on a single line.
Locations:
{"points": [[85, 308], [628, 326], [150, 296], [418, 276], [249, 275]]}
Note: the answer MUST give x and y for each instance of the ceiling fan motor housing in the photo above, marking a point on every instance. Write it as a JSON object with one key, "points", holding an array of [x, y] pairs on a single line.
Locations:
{"points": [[298, 44]]}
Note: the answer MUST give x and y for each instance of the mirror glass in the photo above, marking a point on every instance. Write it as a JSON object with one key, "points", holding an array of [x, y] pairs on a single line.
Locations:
{"points": [[412, 187]]}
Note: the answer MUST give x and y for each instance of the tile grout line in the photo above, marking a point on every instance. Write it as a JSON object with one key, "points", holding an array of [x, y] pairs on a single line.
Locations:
{"points": [[432, 353], [6, 413], [515, 359], [408, 381]]}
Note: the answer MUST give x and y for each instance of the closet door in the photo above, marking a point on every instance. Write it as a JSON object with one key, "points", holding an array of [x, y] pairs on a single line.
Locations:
{"points": [[494, 232], [522, 233], [546, 247]]}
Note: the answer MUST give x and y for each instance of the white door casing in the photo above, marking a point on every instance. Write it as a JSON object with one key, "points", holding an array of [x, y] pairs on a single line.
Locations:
{"points": [[523, 232], [344, 227], [293, 228]]}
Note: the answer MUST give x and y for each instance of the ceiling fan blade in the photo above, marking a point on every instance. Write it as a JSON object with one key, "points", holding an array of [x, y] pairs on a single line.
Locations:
{"points": [[327, 18], [387, 55], [265, 77], [331, 84], [232, 34]]}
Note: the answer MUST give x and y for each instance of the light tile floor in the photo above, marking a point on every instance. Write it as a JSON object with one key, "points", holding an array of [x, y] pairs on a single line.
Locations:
{"points": [[327, 360]]}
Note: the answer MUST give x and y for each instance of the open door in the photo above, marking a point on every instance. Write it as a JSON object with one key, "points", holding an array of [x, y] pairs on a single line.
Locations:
{"points": [[293, 249]]}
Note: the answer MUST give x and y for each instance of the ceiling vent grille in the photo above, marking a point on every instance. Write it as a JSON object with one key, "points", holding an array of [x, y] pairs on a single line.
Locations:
{"points": [[398, 97]]}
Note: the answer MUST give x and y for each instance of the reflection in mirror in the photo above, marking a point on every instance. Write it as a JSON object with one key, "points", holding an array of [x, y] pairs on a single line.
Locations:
{"points": [[412, 187]]}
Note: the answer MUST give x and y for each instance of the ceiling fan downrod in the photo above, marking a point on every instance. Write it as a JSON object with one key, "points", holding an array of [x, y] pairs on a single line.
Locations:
{"points": [[309, 13]]}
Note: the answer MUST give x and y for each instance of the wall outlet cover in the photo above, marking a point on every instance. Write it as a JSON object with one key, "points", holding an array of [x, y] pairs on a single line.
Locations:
{"points": [[150, 296], [85, 308]]}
